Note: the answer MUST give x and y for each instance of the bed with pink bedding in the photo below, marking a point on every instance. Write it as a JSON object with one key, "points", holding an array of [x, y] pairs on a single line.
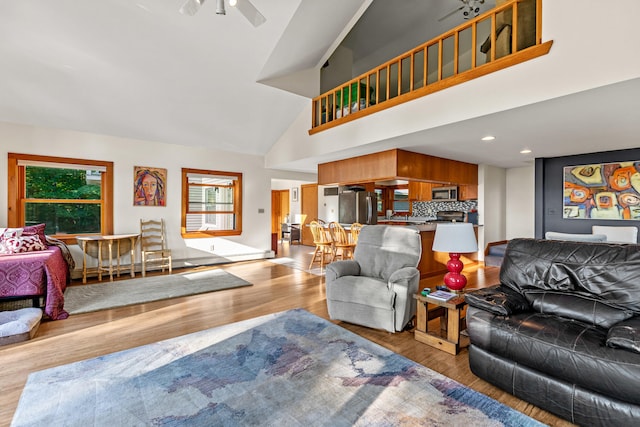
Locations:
{"points": [[37, 268], [36, 274]]}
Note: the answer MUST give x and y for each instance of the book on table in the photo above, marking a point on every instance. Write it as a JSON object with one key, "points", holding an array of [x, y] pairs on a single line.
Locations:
{"points": [[442, 295]]}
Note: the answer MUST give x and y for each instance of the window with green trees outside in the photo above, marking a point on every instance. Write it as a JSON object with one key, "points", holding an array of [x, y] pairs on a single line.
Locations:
{"points": [[69, 201], [70, 196]]}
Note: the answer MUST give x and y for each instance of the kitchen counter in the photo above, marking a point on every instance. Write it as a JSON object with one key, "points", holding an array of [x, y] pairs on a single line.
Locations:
{"points": [[420, 225]]}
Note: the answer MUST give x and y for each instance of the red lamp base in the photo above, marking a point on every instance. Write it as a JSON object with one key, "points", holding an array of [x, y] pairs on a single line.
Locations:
{"points": [[453, 279]]}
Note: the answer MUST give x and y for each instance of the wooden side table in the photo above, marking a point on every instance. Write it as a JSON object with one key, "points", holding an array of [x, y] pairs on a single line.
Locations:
{"points": [[451, 314], [86, 241]]}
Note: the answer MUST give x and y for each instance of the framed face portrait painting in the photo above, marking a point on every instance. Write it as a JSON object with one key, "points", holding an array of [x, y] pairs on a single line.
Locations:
{"points": [[149, 186]]}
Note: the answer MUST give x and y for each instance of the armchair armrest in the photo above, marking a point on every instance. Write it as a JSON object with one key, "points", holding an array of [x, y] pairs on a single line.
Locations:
{"points": [[341, 268], [499, 300], [404, 283], [402, 276], [625, 334]]}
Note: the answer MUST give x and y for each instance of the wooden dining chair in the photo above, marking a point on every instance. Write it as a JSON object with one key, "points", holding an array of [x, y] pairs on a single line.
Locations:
{"points": [[355, 232], [323, 242], [153, 245], [342, 242]]}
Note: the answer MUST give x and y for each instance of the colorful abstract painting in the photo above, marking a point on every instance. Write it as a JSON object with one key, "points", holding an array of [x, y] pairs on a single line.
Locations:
{"points": [[602, 191]]}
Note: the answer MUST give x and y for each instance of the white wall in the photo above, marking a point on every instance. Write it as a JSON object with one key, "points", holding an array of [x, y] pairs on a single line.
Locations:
{"points": [[520, 202], [255, 240], [491, 200], [327, 205]]}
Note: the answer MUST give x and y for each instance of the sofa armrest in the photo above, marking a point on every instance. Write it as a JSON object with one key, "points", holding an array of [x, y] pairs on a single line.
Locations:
{"points": [[341, 268], [625, 334], [499, 300]]}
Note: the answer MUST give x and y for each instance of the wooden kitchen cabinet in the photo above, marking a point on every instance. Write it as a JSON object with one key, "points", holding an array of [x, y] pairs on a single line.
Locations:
{"points": [[431, 263], [468, 192], [420, 191], [396, 164]]}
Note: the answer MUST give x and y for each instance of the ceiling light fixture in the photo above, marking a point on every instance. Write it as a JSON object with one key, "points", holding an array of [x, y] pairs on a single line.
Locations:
{"points": [[470, 9], [525, 151], [220, 8], [245, 7], [488, 138]]}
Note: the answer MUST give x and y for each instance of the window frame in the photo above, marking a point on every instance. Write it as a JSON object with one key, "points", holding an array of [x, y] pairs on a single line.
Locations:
{"points": [[17, 190], [237, 205], [394, 200]]}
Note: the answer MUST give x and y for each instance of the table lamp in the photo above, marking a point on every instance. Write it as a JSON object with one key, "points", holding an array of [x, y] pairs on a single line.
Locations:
{"points": [[456, 238]]}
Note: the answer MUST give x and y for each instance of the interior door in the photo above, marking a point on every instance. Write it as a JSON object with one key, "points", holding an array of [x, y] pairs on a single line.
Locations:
{"points": [[279, 210]]}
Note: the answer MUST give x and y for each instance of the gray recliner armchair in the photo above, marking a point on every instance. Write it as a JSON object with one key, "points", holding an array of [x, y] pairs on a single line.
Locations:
{"points": [[376, 287]]}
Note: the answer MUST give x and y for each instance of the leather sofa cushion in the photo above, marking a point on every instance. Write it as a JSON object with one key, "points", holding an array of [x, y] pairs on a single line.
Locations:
{"points": [[584, 309], [606, 272], [566, 349], [499, 300], [625, 335]]}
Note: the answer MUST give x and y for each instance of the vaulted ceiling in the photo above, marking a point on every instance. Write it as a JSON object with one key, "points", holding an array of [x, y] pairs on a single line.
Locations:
{"points": [[140, 69]]}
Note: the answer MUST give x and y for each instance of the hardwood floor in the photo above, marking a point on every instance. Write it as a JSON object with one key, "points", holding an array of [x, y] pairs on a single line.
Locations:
{"points": [[275, 288]]}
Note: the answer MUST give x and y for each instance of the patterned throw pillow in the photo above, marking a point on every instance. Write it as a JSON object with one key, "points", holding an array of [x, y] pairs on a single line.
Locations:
{"points": [[36, 229], [23, 243], [6, 233]]}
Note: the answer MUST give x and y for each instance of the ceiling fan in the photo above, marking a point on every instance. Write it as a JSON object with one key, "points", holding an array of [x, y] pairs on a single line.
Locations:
{"points": [[469, 8], [245, 7]]}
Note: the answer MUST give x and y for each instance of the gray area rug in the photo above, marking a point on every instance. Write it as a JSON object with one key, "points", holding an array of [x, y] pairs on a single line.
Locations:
{"points": [[285, 369], [100, 296]]}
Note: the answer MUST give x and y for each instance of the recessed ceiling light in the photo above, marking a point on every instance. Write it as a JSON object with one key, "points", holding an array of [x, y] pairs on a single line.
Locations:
{"points": [[488, 138], [143, 7], [525, 151]]}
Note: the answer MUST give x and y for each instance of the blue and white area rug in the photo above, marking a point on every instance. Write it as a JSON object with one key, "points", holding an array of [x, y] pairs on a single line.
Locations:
{"points": [[286, 369]]}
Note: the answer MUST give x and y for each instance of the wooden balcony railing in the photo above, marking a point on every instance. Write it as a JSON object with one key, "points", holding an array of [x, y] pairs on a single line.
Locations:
{"points": [[503, 36]]}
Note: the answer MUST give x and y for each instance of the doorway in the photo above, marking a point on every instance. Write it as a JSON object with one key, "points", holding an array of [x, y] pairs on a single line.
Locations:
{"points": [[280, 209]]}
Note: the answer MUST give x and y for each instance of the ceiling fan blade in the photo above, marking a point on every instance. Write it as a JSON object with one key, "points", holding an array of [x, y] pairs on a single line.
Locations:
{"points": [[453, 12], [190, 7], [250, 12]]}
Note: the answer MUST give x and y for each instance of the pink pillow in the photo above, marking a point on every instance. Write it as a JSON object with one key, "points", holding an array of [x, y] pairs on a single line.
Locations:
{"points": [[28, 243], [36, 229]]}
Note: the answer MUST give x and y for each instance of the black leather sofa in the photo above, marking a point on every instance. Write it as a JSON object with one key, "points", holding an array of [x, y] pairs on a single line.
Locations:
{"points": [[562, 330]]}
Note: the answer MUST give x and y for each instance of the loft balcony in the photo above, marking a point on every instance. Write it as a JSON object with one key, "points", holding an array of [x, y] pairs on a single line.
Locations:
{"points": [[502, 37]]}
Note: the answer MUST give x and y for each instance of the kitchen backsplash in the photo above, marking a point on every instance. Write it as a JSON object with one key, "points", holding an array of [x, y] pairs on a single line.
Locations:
{"points": [[430, 209]]}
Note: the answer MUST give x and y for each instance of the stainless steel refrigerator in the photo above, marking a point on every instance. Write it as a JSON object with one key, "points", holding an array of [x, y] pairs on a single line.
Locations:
{"points": [[358, 206]]}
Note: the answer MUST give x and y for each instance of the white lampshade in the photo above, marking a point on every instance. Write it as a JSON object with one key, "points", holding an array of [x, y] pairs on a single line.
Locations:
{"points": [[456, 237]]}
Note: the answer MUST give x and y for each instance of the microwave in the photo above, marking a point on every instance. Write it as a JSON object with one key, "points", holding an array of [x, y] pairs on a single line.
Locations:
{"points": [[444, 194]]}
